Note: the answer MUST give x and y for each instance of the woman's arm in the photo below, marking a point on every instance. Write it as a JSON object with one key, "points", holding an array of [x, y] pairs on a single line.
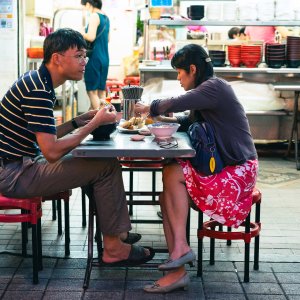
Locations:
{"points": [[94, 22]]}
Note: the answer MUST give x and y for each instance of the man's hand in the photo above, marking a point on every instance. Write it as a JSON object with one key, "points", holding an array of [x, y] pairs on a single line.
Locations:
{"points": [[106, 115]]}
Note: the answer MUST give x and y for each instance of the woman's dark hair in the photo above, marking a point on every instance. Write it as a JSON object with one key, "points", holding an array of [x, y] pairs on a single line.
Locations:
{"points": [[193, 54], [233, 31], [61, 40], [242, 30], [94, 3]]}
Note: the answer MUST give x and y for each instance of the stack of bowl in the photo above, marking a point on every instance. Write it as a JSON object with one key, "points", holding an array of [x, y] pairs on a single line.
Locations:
{"points": [[251, 55], [275, 55], [293, 52], [234, 55], [217, 57]]}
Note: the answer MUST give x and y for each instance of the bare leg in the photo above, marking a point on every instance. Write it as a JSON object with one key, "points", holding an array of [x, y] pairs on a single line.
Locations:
{"points": [[94, 99], [174, 204], [167, 229], [101, 94]]}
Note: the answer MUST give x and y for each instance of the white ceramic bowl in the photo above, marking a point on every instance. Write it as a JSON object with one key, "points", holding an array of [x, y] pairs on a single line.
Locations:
{"points": [[163, 130]]}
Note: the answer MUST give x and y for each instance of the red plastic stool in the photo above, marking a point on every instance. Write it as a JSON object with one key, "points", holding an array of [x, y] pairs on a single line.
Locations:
{"points": [[141, 164], [134, 80], [56, 198], [31, 212], [252, 229], [114, 86]]}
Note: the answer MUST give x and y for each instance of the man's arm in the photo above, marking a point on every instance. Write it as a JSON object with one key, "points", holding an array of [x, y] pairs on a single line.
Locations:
{"points": [[80, 121], [53, 147]]}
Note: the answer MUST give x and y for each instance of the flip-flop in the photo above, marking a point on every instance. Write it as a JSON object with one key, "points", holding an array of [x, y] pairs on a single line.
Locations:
{"points": [[136, 257], [132, 238]]}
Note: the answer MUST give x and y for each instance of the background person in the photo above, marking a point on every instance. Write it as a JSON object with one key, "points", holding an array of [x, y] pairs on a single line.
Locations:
{"points": [[233, 33], [226, 196], [237, 33], [96, 71], [34, 153]]}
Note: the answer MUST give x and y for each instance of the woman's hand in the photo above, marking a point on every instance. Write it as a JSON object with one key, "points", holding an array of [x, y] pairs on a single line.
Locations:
{"points": [[141, 108]]}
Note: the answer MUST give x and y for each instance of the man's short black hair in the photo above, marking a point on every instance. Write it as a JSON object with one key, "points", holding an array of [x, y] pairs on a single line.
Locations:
{"points": [[61, 40]]}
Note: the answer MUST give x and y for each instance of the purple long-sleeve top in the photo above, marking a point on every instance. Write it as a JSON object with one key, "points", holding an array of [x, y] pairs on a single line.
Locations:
{"points": [[217, 104]]}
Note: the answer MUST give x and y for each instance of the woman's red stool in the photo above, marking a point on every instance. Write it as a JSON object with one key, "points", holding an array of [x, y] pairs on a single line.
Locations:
{"points": [[252, 229], [31, 212]]}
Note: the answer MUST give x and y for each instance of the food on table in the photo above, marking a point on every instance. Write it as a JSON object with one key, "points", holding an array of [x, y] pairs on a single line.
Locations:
{"points": [[149, 121], [133, 124]]}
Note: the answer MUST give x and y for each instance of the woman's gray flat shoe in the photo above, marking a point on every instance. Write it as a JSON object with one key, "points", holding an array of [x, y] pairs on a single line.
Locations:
{"points": [[188, 258], [182, 283]]}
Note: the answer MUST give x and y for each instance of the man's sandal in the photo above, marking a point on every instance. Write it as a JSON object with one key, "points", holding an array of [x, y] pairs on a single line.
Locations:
{"points": [[137, 256]]}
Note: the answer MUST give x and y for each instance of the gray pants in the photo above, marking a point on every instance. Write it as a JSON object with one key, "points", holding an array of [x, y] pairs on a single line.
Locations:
{"points": [[36, 177]]}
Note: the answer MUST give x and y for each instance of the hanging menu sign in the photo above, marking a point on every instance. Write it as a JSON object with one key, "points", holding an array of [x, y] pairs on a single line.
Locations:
{"points": [[161, 3], [6, 14]]}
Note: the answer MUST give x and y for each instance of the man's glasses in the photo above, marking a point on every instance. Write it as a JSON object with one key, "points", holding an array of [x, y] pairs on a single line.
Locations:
{"points": [[167, 143], [80, 58]]}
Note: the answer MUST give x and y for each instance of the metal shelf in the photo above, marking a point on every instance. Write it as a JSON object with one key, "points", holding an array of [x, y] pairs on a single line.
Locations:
{"points": [[168, 22]]}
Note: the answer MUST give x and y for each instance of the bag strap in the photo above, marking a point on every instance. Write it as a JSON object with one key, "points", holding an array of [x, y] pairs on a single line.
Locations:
{"points": [[99, 34]]}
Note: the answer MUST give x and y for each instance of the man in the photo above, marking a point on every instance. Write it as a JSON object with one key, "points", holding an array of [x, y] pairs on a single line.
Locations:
{"points": [[34, 159]]}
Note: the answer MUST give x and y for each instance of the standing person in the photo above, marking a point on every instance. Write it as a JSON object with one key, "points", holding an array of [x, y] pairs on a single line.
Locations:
{"points": [[34, 153], [96, 71], [226, 196]]}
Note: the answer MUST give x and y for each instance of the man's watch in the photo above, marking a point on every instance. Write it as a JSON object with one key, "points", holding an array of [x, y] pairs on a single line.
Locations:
{"points": [[74, 123]]}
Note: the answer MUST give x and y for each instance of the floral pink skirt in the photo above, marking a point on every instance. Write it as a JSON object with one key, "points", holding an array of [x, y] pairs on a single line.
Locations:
{"points": [[225, 197]]}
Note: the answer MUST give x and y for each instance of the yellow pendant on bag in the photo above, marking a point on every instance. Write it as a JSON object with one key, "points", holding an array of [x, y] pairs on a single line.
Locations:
{"points": [[212, 164]]}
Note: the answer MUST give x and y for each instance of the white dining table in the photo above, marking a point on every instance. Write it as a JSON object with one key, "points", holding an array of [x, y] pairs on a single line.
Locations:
{"points": [[121, 145]]}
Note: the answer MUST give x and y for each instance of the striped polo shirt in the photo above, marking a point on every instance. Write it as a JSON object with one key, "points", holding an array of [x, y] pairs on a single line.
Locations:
{"points": [[26, 108]]}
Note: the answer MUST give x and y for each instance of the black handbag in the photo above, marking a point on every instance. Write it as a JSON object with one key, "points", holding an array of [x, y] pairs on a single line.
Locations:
{"points": [[89, 48], [207, 160]]}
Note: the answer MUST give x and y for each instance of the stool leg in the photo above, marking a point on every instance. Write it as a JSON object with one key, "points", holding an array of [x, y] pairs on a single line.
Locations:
{"points": [[24, 226], [212, 252], [247, 251], [35, 263], [67, 228], [59, 224], [131, 191], [39, 243], [188, 226], [53, 210], [83, 204], [89, 263], [256, 239], [228, 241], [153, 185], [200, 244], [99, 239]]}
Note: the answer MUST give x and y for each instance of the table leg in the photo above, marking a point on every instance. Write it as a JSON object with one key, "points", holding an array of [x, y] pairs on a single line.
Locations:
{"points": [[296, 129]]}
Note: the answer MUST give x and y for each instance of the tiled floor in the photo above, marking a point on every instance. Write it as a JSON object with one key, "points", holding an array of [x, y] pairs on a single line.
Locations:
{"points": [[278, 277]]}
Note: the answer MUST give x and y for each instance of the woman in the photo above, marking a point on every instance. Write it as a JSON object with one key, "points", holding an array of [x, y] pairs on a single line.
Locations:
{"points": [[225, 196], [97, 68]]}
